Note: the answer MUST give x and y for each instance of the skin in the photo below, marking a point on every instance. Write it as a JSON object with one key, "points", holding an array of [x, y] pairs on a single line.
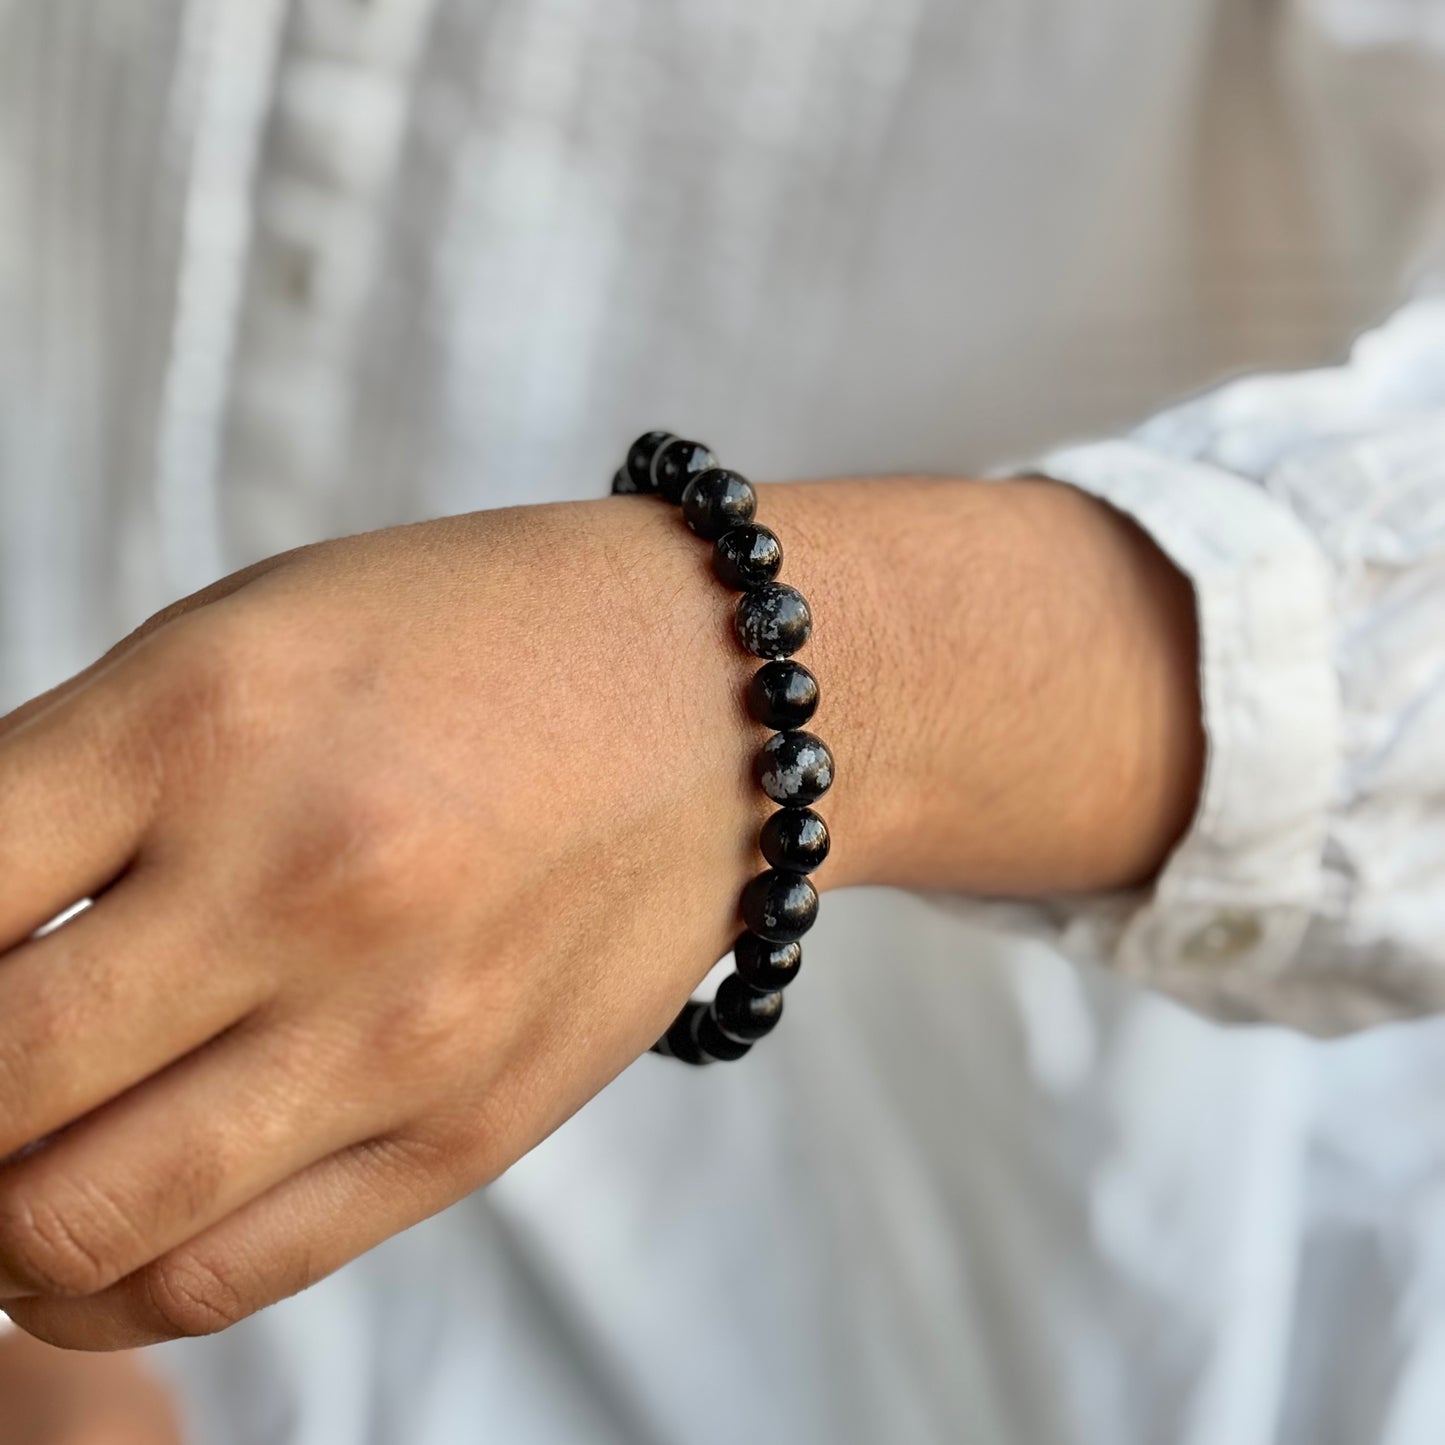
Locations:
{"points": [[52, 1397], [405, 845]]}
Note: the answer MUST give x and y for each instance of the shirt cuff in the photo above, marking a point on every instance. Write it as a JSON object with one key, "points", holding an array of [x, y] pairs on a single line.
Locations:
{"points": [[1231, 905]]}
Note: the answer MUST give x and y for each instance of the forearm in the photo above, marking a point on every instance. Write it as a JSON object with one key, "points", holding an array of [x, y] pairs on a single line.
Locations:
{"points": [[1010, 683]]}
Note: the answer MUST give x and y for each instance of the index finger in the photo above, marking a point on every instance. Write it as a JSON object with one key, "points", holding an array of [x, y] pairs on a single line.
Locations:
{"points": [[79, 781]]}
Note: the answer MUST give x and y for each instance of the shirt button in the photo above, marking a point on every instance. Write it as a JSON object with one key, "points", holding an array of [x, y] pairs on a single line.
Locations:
{"points": [[1225, 937]]}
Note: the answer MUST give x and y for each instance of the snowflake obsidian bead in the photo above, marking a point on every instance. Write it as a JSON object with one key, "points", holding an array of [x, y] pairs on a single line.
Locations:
{"points": [[676, 463], [764, 966], [747, 556], [709, 1037], [794, 840], [680, 1041], [773, 620], [636, 472], [717, 500], [780, 907], [783, 695], [743, 1015], [794, 767]]}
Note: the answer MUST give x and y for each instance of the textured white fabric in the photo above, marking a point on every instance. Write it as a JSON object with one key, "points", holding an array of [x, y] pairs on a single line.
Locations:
{"points": [[1309, 512], [269, 271]]}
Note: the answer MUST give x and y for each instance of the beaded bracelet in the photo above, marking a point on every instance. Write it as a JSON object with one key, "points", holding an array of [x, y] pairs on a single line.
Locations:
{"points": [[793, 767]]}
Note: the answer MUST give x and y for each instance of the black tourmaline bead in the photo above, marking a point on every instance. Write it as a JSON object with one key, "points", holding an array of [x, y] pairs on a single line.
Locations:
{"points": [[795, 840], [794, 768], [676, 463], [716, 500], [780, 907], [713, 1041], [680, 1041], [744, 1015], [747, 557], [636, 473], [766, 967], [783, 695], [773, 620]]}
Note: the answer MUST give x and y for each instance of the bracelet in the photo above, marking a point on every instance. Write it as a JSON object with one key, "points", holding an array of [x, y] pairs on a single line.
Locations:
{"points": [[794, 768]]}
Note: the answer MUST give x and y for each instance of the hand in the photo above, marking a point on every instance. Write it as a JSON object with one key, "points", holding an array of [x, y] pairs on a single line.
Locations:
{"points": [[404, 845], [54, 1398]]}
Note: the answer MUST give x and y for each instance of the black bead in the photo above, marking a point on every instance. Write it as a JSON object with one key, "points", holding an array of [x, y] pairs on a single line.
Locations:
{"points": [[766, 967], [747, 556], [744, 1015], [773, 620], [783, 695], [713, 1041], [636, 473], [794, 840], [794, 767], [680, 1041], [716, 500], [780, 907], [676, 463]]}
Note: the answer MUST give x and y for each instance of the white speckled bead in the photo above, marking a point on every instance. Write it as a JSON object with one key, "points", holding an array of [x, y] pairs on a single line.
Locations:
{"points": [[794, 767], [773, 621]]}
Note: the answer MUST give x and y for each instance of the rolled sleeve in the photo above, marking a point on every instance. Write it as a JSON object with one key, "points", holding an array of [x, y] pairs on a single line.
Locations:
{"points": [[1308, 513], [1238, 892]]}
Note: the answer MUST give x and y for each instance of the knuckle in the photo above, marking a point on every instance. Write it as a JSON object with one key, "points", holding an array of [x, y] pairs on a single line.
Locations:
{"points": [[191, 1297], [469, 1144], [54, 1249], [215, 679], [424, 1029]]}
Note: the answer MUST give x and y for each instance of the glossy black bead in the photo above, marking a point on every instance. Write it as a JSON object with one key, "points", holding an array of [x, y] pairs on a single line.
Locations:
{"points": [[766, 967], [680, 1041], [716, 500], [713, 1042], [747, 556], [794, 840], [780, 907], [676, 463], [794, 768], [783, 695], [744, 1015], [773, 620], [636, 473]]}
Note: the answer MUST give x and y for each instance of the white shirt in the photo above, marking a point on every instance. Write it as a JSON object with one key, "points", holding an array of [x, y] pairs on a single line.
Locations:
{"points": [[268, 272]]}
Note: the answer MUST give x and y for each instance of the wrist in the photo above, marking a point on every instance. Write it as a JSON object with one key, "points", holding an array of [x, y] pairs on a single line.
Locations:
{"points": [[1010, 684]]}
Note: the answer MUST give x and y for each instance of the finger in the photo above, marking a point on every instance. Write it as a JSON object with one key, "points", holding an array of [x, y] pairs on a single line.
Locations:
{"points": [[78, 786], [275, 1247], [111, 998], [52, 1397], [216, 592], [171, 1158], [80, 772]]}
